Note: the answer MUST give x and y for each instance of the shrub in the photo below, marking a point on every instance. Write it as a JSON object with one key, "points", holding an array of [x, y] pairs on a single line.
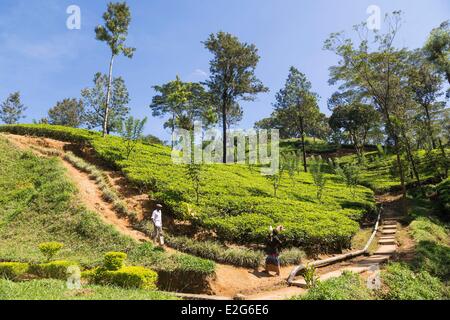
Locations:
{"points": [[125, 277], [349, 286], [114, 260], [52, 270], [291, 256], [310, 276], [50, 249], [12, 270], [403, 284]]}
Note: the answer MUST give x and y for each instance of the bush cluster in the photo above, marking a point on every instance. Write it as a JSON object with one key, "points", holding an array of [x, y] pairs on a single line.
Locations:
{"points": [[51, 270], [113, 272]]}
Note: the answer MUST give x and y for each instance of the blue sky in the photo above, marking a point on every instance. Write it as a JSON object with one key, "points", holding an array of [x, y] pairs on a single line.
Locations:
{"points": [[46, 62]]}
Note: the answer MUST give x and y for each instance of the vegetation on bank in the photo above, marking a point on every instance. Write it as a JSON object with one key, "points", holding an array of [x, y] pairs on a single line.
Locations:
{"points": [[349, 286], [238, 203], [380, 173], [50, 289]]}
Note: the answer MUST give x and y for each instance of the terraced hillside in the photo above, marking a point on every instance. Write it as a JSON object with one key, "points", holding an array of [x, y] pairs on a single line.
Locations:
{"points": [[235, 201]]}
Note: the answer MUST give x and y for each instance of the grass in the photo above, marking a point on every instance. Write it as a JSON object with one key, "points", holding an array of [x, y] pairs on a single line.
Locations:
{"points": [[57, 290], [402, 283], [360, 239], [236, 201], [349, 286], [39, 204], [238, 256], [432, 237], [430, 229]]}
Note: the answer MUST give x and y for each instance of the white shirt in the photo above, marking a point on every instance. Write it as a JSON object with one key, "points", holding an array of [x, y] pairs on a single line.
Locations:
{"points": [[157, 218]]}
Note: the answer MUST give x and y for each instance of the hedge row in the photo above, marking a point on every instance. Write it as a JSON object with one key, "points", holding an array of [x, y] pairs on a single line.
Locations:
{"points": [[50, 270]]}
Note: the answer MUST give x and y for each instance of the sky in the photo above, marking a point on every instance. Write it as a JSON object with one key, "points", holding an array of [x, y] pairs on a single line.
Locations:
{"points": [[47, 62]]}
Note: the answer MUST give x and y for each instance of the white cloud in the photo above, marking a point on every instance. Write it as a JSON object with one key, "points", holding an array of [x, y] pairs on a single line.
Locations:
{"points": [[197, 75]]}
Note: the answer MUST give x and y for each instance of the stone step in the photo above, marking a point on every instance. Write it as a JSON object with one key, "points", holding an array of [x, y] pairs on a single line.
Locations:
{"points": [[389, 221], [389, 231], [375, 259], [388, 237], [386, 241], [386, 249], [389, 226]]}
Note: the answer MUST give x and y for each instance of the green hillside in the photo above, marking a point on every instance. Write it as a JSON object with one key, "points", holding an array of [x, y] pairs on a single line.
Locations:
{"points": [[380, 171], [39, 204], [236, 201]]}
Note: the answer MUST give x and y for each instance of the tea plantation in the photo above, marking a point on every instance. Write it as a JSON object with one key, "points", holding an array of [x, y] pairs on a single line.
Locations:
{"points": [[235, 201]]}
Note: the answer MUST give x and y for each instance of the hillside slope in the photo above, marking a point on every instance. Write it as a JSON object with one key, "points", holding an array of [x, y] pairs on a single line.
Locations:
{"points": [[236, 201]]}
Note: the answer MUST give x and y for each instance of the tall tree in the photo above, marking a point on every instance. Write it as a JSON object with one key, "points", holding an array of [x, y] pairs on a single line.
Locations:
{"points": [[356, 119], [426, 87], [184, 103], [437, 48], [114, 32], [379, 74], [232, 76], [297, 108], [12, 109], [68, 112], [94, 102]]}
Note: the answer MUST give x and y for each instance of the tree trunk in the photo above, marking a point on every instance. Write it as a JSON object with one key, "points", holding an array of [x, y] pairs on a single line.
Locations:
{"points": [[397, 151], [413, 163], [444, 156], [302, 133], [173, 126], [108, 98], [224, 128], [430, 130]]}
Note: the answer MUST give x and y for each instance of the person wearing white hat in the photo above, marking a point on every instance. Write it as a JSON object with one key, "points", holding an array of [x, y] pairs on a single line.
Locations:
{"points": [[157, 224]]}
